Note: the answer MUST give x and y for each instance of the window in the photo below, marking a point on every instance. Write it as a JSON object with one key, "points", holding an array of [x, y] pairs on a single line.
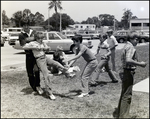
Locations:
{"points": [[136, 24], [50, 36], [76, 26], [87, 26], [81, 26], [146, 24]]}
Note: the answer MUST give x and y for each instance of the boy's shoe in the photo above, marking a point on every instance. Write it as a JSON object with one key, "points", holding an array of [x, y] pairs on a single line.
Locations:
{"points": [[52, 97], [72, 75], [59, 73], [83, 95], [39, 90]]}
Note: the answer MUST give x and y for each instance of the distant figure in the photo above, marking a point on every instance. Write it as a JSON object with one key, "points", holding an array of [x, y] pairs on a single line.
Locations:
{"points": [[112, 45], [129, 63], [91, 63]]}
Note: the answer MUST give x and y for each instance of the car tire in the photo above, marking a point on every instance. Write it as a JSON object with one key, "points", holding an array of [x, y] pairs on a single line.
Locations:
{"points": [[121, 40], [143, 40]]}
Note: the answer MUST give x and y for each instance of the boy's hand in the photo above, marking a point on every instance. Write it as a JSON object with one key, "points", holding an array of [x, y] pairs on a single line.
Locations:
{"points": [[143, 64]]}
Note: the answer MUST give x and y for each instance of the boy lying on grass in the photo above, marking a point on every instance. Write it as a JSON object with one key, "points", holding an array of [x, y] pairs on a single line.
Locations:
{"points": [[38, 48]]}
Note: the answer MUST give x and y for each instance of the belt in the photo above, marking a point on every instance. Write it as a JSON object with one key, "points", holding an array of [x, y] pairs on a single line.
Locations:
{"points": [[91, 60], [129, 69], [42, 56]]}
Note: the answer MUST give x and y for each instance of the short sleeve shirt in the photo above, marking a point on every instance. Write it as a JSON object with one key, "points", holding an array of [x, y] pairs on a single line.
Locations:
{"points": [[103, 48], [112, 41], [87, 54], [35, 44], [128, 52]]}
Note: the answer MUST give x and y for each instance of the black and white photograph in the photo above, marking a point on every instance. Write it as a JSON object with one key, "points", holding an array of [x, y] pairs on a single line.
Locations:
{"points": [[75, 59]]}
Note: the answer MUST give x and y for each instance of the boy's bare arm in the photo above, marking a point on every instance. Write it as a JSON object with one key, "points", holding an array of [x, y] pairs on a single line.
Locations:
{"points": [[28, 46], [133, 62]]}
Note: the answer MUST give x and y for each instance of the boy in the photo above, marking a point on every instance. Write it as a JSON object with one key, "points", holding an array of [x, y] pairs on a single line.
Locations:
{"points": [[60, 57], [112, 44], [38, 47], [33, 72], [91, 64], [104, 53], [129, 63]]}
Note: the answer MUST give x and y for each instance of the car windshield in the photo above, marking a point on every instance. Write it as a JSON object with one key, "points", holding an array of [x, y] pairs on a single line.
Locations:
{"points": [[62, 36]]}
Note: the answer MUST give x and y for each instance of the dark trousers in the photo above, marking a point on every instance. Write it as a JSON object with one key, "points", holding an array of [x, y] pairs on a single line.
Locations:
{"points": [[126, 94], [32, 71]]}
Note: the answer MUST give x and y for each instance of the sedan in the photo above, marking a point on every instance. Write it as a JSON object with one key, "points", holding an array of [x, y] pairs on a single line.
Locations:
{"points": [[54, 39], [12, 38]]}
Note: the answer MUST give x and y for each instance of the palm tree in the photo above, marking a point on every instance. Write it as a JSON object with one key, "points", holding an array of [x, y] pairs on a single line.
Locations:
{"points": [[56, 4]]}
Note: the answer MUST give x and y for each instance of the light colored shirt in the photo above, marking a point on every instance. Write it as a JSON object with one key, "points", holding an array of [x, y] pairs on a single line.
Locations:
{"points": [[87, 54], [112, 41], [128, 52], [103, 48], [34, 44]]}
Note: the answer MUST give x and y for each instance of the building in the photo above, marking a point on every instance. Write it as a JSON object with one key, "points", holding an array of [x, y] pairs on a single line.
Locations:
{"points": [[83, 26], [139, 24]]}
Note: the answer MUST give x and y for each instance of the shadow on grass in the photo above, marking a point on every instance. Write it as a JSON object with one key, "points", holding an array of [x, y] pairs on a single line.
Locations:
{"points": [[27, 91]]}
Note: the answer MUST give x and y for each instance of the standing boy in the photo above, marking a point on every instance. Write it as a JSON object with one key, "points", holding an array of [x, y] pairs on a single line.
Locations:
{"points": [[33, 73], [112, 45], [104, 53], [91, 64], [129, 63]]}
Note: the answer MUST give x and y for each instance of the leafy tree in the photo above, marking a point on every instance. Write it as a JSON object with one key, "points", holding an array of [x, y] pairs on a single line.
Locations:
{"points": [[17, 18], [5, 20], [27, 12], [38, 18], [127, 15], [66, 21], [106, 19]]}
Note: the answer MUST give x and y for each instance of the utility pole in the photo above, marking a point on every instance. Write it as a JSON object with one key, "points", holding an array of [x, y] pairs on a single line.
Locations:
{"points": [[48, 19], [60, 21]]}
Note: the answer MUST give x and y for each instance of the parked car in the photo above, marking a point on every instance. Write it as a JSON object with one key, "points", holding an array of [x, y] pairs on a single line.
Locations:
{"points": [[122, 36], [2, 41], [12, 38], [85, 34], [69, 34], [5, 35], [143, 37], [53, 39]]}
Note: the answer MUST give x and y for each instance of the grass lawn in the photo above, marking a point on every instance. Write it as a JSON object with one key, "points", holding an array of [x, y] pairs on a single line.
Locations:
{"points": [[18, 100]]}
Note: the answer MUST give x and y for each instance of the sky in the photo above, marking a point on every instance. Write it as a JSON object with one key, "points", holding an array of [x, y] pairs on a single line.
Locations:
{"points": [[80, 10]]}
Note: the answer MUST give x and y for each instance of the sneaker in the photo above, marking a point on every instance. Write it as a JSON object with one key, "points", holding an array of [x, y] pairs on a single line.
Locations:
{"points": [[83, 95], [72, 75], [52, 97], [39, 90], [115, 81]]}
